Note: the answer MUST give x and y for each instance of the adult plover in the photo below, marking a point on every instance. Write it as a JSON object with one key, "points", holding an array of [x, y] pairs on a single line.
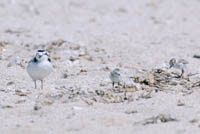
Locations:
{"points": [[40, 67], [180, 64], [115, 77]]}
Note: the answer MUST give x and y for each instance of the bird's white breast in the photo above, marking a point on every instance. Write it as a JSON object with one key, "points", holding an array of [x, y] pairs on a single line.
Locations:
{"points": [[38, 71]]}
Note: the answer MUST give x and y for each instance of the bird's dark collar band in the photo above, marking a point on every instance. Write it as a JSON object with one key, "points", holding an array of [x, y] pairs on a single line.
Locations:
{"points": [[35, 60]]}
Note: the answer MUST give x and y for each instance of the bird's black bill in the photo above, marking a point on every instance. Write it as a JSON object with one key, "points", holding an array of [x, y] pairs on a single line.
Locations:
{"points": [[41, 50]]}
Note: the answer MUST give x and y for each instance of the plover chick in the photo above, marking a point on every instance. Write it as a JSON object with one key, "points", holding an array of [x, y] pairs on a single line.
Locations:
{"points": [[40, 67], [115, 77], [180, 64]]}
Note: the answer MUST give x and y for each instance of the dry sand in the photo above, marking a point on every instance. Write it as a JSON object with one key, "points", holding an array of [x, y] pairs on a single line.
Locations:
{"points": [[100, 35]]}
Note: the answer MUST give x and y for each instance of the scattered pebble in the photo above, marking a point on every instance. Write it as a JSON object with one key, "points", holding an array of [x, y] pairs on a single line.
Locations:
{"points": [[21, 93], [194, 121], [88, 101], [90, 58], [20, 101], [145, 95], [163, 118], [122, 10], [83, 70], [36, 107], [196, 56], [65, 75], [6, 106], [131, 112], [180, 103], [10, 83], [72, 59]]}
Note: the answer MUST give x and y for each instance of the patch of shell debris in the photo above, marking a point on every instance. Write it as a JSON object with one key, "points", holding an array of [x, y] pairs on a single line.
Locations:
{"points": [[150, 82], [146, 82]]}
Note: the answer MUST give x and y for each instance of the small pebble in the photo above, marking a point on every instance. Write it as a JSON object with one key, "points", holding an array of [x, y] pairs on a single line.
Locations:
{"points": [[36, 107]]}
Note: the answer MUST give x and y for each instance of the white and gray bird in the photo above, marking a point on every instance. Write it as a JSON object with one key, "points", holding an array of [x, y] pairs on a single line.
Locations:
{"points": [[40, 67], [115, 77], [180, 64]]}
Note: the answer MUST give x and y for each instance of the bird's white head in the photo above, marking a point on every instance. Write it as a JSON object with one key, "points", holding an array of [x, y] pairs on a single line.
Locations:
{"points": [[42, 55]]}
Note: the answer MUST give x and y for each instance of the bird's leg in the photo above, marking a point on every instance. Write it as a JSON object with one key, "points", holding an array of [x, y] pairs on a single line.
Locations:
{"points": [[118, 84], [35, 84], [41, 84], [124, 86], [113, 84], [182, 72]]}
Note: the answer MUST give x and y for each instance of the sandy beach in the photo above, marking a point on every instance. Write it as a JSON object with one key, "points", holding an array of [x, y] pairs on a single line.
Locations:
{"points": [[86, 40]]}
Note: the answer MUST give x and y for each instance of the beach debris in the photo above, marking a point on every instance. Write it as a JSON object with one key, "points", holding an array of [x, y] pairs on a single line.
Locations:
{"points": [[160, 79], [90, 58], [111, 97], [122, 10], [163, 118], [2, 46], [194, 121], [196, 84], [58, 42], [131, 112], [6, 106], [130, 89], [56, 58], [166, 118], [21, 93], [107, 69], [180, 103], [64, 75], [20, 101], [37, 107], [146, 95], [10, 83], [196, 56], [83, 52], [83, 70], [152, 120], [146, 81], [17, 31], [47, 102], [99, 92], [74, 46], [4, 90], [102, 84], [88, 101], [72, 59], [186, 92], [55, 96]]}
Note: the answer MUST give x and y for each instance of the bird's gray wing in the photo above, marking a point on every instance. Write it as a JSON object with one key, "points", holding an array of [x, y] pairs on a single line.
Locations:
{"points": [[183, 61]]}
